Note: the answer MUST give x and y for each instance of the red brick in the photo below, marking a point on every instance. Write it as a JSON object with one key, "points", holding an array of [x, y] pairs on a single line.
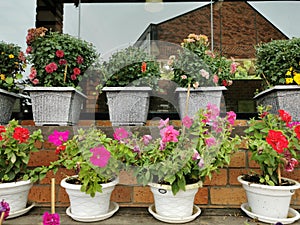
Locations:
{"points": [[142, 195], [201, 197], [42, 158], [233, 196], [127, 178], [40, 193], [122, 194], [238, 159], [217, 178]]}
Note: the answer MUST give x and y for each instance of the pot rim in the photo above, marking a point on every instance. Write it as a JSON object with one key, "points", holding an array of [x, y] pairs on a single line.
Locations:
{"points": [[64, 184], [169, 187], [264, 186], [14, 184]]}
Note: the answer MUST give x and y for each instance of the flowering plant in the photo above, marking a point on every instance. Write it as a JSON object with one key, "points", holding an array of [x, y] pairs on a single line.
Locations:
{"points": [[16, 143], [180, 157], [12, 64], [197, 66], [278, 62], [4, 210], [90, 154], [274, 141], [129, 66], [58, 59]]}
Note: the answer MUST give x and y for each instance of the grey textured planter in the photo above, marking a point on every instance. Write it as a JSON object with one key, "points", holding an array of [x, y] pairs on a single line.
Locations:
{"points": [[128, 106], [285, 97], [55, 105], [7, 101], [199, 99]]}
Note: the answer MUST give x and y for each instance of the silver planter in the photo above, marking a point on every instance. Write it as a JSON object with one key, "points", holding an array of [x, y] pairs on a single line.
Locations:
{"points": [[199, 98], [285, 97], [7, 102], [128, 106], [55, 105]]}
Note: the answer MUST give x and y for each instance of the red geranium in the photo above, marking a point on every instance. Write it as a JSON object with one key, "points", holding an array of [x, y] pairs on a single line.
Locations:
{"points": [[285, 116], [60, 53], [277, 140], [51, 67], [297, 131], [21, 134], [76, 71], [144, 67]]}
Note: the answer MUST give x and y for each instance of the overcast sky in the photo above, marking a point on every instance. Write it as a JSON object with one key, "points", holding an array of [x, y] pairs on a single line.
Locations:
{"points": [[111, 26]]}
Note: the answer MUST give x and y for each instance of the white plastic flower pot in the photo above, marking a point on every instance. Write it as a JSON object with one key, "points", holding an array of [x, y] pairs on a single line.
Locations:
{"points": [[7, 101], [83, 205], [16, 194], [174, 206], [269, 201]]}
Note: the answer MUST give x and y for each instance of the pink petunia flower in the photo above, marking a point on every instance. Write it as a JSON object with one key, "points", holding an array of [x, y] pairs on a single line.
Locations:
{"points": [[57, 137], [231, 117], [4, 207], [196, 155], [210, 141], [100, 156], [163, 123], [120, 133]]}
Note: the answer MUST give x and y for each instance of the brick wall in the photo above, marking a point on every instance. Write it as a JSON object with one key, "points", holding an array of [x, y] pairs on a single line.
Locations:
{"points": [[223, 191], [237, 29]]}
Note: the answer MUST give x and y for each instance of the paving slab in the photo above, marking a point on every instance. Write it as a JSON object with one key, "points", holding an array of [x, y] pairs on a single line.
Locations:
{"points": [[138, 216]]}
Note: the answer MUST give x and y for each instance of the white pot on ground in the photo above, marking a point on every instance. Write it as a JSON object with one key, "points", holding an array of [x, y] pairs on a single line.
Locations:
{"points": [[16, 194], [269, 201], [174, 206], [83, 205]]}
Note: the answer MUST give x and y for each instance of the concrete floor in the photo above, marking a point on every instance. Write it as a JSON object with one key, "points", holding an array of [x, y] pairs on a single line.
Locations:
{"points": [[137, 216]]}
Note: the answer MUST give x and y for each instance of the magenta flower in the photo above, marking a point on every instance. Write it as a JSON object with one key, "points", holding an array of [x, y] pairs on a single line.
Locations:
{"points": [[59, 53], [51, 219], [136, 148], [120, 133], [187, 122], [210, 141], [100, 156], [57, 138], [162, 145], [62, 62], [196, 155], [163, 123], [146, 139], [79, 59], [231, 117], [201, 163], [292, 163], [169, 134], [4, 207]]}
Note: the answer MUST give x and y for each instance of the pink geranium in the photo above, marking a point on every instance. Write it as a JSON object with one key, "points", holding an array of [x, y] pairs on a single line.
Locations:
{"points": [[51, 67], [59, 53]]}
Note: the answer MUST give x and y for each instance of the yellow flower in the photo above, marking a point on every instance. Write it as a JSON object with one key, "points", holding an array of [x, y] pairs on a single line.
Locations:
{"points": [[289, 80], [288, 73], [2, 76], [11, 56], [297, 78]]}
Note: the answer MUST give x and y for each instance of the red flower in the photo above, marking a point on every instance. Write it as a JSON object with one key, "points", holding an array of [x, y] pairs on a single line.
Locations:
{"points": [[264, 114], [76, 71], [297, 131], [2, 130], [144, 67], [60, 53], [277, 140], [79, 59], [73, 77], [59, 149], [62, 62], [285, 116], [51, 67], [21, 134], [224, 83]]}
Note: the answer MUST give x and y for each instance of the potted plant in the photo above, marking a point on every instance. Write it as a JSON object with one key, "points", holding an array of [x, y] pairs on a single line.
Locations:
{"points": [[16, 144], [174, 163], [201, 74], [59, 62], [277, 63], [128, 78], [90, 154], [12, 64], [274, 143]]}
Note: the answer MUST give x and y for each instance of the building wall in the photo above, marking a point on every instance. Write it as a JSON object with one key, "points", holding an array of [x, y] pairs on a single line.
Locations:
{"points": [[237, 28]]}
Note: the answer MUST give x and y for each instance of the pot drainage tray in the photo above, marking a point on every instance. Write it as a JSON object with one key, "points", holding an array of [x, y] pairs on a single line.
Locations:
{"points": [[196, 212], [21, 212], [113, 207], [293, 215]]}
